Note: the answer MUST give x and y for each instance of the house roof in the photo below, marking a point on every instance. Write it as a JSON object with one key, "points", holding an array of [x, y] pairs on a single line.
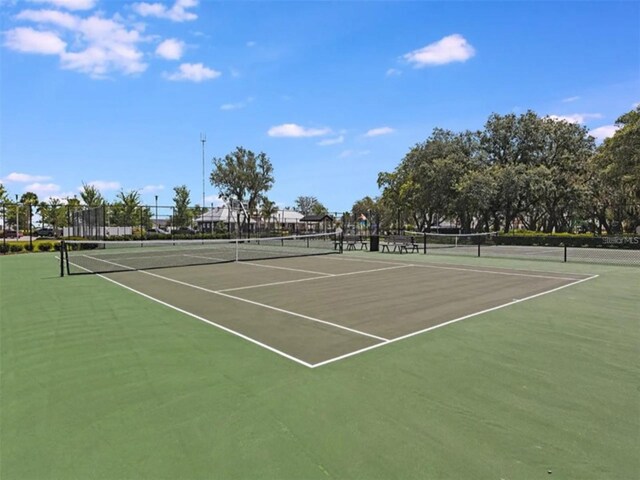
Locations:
{"points": [[221, 214], [316, 218]]}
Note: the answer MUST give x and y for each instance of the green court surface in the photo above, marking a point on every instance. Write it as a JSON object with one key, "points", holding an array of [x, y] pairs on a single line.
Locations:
{"points": [[329, 367]]}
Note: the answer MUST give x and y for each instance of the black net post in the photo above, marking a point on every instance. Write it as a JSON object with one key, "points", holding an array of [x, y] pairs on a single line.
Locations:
{"points": [[424, 244], [565, 254], [478, 248], [30, 228], [4, 228], [62, 258]]}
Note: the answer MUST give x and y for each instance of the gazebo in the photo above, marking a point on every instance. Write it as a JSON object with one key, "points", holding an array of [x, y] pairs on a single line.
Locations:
{"points": [[318, 223]]}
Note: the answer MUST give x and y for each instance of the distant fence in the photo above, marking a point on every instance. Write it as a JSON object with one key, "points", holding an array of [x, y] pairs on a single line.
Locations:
{"points": [[612, 250]]}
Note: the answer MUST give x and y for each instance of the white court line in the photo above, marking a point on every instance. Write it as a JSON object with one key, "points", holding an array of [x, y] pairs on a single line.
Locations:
{"points": [[464, 269], [197, 317], [286, 268], [264, 305], [412, 334], [327, 275]]}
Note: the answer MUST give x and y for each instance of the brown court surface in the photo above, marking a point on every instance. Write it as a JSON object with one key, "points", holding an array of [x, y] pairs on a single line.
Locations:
{"points": [[315, 310]]}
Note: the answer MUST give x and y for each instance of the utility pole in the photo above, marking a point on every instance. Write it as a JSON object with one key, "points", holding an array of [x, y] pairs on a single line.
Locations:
{"points": [[203, 139]]}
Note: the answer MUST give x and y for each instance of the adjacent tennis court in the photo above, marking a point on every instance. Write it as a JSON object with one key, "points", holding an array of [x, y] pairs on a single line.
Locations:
{"points": [[304, 303]]}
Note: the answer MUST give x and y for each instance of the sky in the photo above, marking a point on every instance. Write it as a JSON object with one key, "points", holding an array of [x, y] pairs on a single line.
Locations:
{"points": [[118, 94]]}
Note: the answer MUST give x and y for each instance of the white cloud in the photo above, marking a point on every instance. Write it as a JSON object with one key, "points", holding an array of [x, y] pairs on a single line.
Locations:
{"points": [[193, 72], [236, 106], [69, 4], [375, 132], [603, 132], [635, 105], [393, 72], [61, 196], [28, 40], [576, 117], [151, 188], [25, 178], [453, 48], [103, 185], [171, 49], [570, 99], [42, 189], [177, 13], [97, 46], [61, 19], [331, 141], [215, 199], [251, 43], [293, 130]]}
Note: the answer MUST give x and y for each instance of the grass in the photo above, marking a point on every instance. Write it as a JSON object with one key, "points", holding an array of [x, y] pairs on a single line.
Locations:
{"points": [[100, 383]]}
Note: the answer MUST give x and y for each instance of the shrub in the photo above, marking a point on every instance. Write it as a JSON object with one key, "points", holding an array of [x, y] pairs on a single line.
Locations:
{"points": [[4, 248], [15, 247], [44, 246]]}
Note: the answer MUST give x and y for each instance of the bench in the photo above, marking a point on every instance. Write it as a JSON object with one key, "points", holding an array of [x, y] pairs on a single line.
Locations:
{"points": [[400, 243], [353, 240]]}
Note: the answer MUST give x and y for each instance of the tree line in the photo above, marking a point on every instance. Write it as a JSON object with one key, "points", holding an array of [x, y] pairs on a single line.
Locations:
{"points": [[526, 171]]}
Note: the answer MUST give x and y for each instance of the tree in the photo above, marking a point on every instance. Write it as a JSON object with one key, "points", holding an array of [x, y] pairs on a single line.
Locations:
{"points": [[182, 215], [53, 213], [243, 175], [127, 211], [305, 205], [4, 195], [423, 186], [267, 210], [91, 196], [528, 152], [614, 181]]}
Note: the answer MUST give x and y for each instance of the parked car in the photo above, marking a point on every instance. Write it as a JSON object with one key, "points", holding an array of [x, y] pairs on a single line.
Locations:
{"points": [[45, 232], [157, 231], [10, 234]]}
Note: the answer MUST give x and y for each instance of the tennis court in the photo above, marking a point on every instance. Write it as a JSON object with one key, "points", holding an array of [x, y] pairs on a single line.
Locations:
{"points": [[314, 308]]}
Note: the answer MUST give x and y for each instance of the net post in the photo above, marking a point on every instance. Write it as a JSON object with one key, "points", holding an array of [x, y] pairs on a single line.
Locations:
{"points": [[62, 250], [565, 254], [424, 244], [478, 249], [30, 228]]}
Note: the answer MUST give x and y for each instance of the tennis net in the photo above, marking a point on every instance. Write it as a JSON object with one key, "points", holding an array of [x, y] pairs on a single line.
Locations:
{"points": [[445, 240], [86, 256]]}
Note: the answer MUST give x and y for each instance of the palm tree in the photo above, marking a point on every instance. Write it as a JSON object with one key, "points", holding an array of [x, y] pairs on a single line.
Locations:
{"points": [[267, 210], [91, 196]]}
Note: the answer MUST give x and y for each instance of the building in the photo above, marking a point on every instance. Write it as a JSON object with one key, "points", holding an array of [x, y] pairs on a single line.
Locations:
{"points": [[221, 219]]}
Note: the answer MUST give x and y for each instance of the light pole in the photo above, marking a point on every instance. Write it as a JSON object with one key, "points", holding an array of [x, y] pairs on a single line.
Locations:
{"points": [[17, 218], [203, 139], [156, 213]]}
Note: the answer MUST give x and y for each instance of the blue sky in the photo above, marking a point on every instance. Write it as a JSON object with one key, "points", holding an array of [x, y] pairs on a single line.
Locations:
{"points": [[116, 93]]}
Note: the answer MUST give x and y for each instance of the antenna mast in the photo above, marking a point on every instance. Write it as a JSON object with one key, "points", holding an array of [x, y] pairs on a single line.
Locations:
{"points": [[203, 139]]}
